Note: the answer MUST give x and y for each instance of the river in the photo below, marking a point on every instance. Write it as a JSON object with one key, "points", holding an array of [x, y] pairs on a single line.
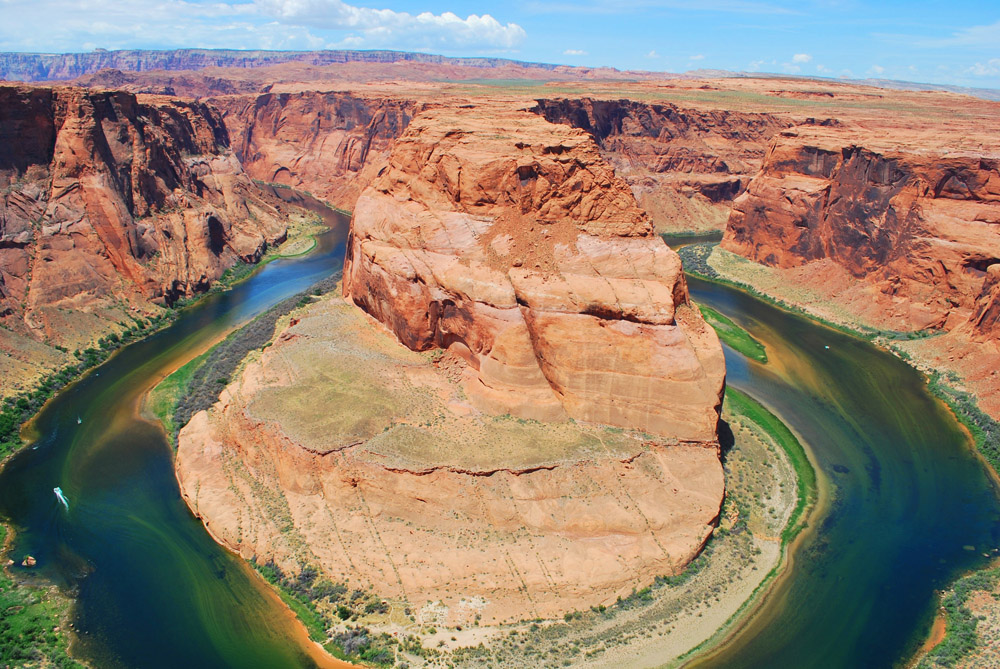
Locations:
{"points": [[909, 505], [152, 587]]}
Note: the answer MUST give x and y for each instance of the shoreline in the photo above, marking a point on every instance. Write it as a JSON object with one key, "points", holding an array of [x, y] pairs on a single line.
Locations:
{"points": [[887, 341], [92, 358], [752, 606]]}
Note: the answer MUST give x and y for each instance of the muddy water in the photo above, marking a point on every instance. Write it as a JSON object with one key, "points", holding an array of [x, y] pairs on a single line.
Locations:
{"points": [[153, 589]]}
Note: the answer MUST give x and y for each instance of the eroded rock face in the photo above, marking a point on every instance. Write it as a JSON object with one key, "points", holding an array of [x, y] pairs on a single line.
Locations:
{"points": [[684, 166], [329, 144], [340, 449], [922, 226], [110, 200], [509, 240]]}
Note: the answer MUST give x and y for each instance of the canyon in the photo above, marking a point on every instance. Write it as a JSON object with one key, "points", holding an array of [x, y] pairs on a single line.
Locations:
{"points": [[511, 409], [111, 202]]}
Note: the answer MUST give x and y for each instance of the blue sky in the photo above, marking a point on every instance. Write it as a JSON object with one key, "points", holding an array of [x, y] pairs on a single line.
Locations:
{"points": [[950, 43]]}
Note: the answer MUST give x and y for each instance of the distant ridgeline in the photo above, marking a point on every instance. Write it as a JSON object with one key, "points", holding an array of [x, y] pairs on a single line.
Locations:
{"points": [[57, 66]]}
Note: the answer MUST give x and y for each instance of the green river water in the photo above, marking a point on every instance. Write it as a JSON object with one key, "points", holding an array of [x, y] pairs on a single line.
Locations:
{"points": [[909, 504]]}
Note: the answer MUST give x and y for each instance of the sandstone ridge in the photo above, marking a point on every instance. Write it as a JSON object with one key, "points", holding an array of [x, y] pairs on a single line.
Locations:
{"points": [[919, 224]]}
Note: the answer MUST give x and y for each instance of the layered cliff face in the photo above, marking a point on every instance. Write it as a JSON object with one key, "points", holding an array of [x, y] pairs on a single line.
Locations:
{"points": [[684, 166], [109, 201], [398, 484], [919, 226], [329, 144], [511, 277], [509, 240]]}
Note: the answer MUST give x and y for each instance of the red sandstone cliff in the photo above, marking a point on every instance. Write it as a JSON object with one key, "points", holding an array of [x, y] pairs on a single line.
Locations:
{"points": [[329, 144], [109, 200], [919, 223], [684, 166], [509, 240]]}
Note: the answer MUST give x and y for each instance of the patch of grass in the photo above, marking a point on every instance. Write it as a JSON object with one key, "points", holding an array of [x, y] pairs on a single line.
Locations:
{"points": [[733, 335], [30, 617], [742, 404], [984, 429]]}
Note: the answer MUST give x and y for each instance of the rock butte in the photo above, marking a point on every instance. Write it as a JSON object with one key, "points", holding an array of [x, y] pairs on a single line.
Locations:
{"points": [[508, 241]]}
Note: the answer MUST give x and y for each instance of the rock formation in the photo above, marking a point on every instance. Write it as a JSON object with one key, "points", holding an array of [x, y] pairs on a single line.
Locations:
{"points": [[110, 200], [919, 224], [506, 246], [329, 144], [685, 166], [508, 239]]}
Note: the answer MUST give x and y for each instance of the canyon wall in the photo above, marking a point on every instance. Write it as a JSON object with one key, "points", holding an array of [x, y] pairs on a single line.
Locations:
{"points": [[109, 201], [328, 144], [920, 225], [497, 234], [684, 166]]}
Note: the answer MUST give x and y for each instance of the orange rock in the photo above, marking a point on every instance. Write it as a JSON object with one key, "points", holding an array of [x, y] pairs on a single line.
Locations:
{"points": [[509, 238], [919, 223], [111, 199]]}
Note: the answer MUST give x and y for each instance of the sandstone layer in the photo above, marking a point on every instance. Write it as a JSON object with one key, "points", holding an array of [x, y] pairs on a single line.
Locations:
{"points": [[685, 166], [399, 485], [918, 225], [329, 144], [509, 240], [110, 201]]}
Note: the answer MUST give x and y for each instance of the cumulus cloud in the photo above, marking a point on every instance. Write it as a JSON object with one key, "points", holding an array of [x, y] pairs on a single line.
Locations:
{"points": [[384, 27], [574, 52], [698, 57], [652, 54], [801, 58], [990, 68], [876, 69], [63, 25]]}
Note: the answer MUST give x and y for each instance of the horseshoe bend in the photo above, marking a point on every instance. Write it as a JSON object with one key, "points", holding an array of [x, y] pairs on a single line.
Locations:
{"points": [[512, 410]]}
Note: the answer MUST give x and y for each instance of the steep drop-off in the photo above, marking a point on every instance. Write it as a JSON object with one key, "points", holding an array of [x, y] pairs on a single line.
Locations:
{"points": [[919, 226], [685, 166], [110, 201], [329, 144], [528, 288]]}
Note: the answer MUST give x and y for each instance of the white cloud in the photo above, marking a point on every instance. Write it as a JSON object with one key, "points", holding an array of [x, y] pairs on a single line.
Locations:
{"points": [[574, 52], [67, 25], [788, 68], [876, 69], [698, 57], [652, 54], [385, 27], [801, 58], [823, 68], [990, 68]]}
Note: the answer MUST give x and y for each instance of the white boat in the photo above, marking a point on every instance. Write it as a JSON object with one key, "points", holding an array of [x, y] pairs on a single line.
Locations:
{"points": [[62, 498]]}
